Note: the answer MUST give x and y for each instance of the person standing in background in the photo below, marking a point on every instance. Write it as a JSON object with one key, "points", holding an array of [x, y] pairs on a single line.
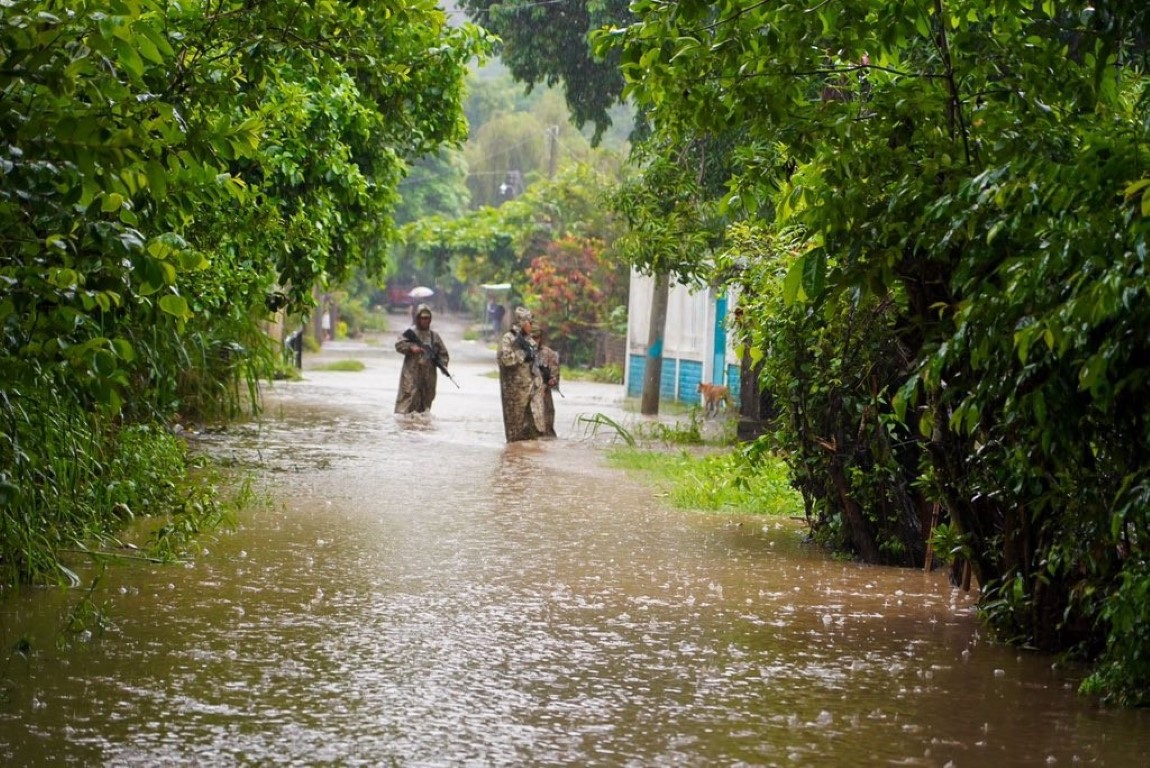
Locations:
{"points": [[543, 407], [497, 314], [492, 329], [422, 348]]}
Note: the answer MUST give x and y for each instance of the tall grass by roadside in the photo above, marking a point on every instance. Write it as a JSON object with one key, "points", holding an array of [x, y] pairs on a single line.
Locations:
{"points": [[747, 478], [720, 482], [206, 374], [71, 481], [74, 473], [693, 430]]}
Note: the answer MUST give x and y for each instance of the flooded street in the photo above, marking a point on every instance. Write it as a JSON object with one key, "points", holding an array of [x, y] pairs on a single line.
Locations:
{"points": [[415, 592]]}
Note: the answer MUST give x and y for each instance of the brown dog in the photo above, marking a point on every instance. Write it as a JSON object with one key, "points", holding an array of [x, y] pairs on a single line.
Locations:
{"points": [[715, 397]]}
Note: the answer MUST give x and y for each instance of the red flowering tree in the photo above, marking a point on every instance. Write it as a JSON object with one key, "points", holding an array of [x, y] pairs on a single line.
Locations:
{"points": [[574, 288]]}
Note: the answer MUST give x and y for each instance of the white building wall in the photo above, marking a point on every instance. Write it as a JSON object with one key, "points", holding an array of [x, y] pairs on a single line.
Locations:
{"points": [[686, 332], [639, 312], [690, 315], [689, 332]]}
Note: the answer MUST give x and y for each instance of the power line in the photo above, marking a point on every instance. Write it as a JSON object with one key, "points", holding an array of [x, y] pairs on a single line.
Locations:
{"points": [[564, 146], [550, 133], [516, 145], [420, 179], [504, 8]]}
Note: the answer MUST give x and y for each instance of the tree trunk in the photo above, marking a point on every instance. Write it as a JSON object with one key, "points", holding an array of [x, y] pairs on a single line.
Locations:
{"points": [[859, 531], [756, 406], [653, 371]]}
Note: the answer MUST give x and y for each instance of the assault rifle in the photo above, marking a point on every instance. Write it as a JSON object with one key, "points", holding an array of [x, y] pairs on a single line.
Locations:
{"points": [[531, 354], [528, 350], [432, 353], [545, 372]]}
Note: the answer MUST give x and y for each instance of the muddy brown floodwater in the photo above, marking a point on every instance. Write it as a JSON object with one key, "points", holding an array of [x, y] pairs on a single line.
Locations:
{"points": [[417, 593]]}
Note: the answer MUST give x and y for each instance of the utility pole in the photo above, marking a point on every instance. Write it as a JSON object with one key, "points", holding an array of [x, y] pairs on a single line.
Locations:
{"points": [[553, 150]]}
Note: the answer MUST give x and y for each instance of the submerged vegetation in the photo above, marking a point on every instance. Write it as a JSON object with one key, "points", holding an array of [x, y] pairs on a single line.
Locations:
{"points": [[92, 484], [714, 477], [746, 481]]}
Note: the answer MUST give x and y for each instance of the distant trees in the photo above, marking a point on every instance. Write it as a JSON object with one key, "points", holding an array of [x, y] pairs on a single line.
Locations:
{"points": [[551, 243], [515, 140], [502, 155], [538, 195]]}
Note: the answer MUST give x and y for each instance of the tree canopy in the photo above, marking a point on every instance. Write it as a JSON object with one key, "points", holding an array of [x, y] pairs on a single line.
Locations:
{"points": [[547, 44], [943, 262], [171, 172], [551, 243]]}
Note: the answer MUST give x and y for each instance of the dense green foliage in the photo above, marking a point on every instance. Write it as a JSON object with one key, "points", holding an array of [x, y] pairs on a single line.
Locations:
{"points": [[671, 211], [516, 140], [849, 455], [171, 173], [572, 282], [943, 271]]}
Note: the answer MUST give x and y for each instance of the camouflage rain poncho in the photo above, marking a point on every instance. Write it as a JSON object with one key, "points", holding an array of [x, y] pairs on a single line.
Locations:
{"points": [[519, 380], [418, 378], [543, 405]]}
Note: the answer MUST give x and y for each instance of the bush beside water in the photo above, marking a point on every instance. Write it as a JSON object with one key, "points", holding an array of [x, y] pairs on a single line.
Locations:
{"points": [[731, 482], [71, 482]]}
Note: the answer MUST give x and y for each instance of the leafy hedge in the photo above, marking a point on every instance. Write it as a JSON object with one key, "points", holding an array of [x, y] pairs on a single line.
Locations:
{"points": [[173, 173], [942, 265]]}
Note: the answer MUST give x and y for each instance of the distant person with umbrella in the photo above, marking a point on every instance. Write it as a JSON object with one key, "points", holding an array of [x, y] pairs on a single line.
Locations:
{"points": [[417, 293], [423, 352]]}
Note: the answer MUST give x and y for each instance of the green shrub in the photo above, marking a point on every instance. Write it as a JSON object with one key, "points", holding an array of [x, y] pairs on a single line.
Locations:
{"points": [[745, 481], [1123, 673], [608, 374], [72, 482], [341, 365]]}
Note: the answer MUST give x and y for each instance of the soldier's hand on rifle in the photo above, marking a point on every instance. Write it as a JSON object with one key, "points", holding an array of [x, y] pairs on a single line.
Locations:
{"points": [[523, 343]]}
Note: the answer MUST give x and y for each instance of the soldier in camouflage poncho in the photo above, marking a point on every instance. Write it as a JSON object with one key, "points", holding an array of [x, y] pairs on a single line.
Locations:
{"points": [[543, 404], [418, 378], [519, 379]]}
